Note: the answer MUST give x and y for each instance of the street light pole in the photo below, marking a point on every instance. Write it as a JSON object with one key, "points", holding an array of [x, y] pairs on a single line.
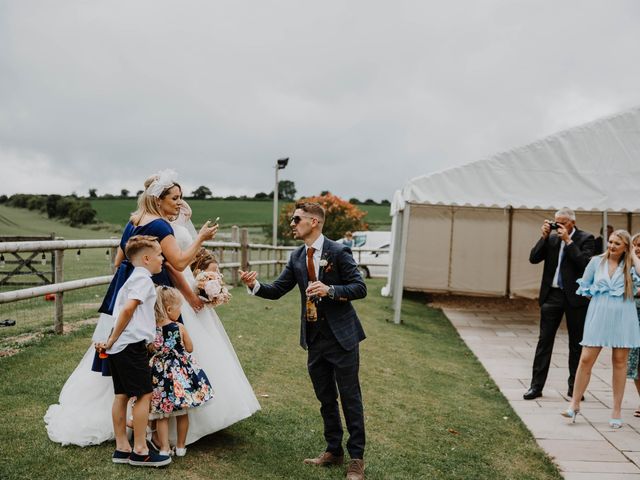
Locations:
{"points": [[280, 165]]}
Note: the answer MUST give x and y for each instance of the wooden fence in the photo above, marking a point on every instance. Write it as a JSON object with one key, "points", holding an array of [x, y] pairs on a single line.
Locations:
{"points": [[234, 255]]}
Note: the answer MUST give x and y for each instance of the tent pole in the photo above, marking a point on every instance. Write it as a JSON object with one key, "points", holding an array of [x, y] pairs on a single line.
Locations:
{"points": [[399, 286], [395, 260], [509, 248], [605, 241], [453, 213]]}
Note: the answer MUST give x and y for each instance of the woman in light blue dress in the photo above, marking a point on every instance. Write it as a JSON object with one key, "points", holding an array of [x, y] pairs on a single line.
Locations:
{"points": [[611, 281]]}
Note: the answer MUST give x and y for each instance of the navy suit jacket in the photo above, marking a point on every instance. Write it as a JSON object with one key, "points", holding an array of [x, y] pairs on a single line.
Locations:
{"points": [[341, 271]]}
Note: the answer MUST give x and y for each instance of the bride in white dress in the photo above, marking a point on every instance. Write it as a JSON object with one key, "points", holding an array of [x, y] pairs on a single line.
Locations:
{"points": [[83, 415]]}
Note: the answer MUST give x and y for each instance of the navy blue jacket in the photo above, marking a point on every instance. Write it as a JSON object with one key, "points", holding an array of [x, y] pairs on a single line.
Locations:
{"points": [[341, 271]]}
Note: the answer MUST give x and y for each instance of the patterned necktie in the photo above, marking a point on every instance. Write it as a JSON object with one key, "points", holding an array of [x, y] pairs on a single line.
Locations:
{"points": [[312, 311]]}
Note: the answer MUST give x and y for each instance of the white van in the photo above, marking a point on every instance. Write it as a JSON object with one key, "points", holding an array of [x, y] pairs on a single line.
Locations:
{"points": [[372, 264]]}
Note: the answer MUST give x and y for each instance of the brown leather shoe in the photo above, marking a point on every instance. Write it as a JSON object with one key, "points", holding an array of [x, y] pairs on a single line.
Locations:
{"points": [[325, 459], [355, 470]]}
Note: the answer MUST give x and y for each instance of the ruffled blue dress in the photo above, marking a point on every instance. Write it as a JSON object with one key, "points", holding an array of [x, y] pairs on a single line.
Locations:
{"points": [[612, 321], [159, 228]]}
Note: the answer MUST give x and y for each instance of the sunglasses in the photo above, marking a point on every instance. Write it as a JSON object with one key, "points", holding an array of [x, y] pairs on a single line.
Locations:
{"points": [[297, 218]]}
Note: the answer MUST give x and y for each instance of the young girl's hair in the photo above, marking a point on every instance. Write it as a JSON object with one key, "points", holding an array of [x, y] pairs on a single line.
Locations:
{"points": [[166, 297], [203, 259], [635, 238], [627, 262]]}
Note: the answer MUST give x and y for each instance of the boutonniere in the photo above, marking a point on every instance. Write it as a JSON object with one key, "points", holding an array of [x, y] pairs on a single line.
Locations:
{"points": [[325, 264]]}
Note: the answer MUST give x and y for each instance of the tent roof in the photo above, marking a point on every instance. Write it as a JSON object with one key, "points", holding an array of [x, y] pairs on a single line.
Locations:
{"points": [[595, 166]]}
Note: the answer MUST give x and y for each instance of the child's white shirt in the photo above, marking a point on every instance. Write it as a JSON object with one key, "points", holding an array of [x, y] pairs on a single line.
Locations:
{"points": [[142, 325]]}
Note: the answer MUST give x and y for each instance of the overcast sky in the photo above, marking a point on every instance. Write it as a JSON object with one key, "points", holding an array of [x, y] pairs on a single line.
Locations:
{"points": [[362, 95]]}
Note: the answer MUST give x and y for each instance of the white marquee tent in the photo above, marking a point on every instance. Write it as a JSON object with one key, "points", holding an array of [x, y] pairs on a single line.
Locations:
{"points": [[469, 229]]}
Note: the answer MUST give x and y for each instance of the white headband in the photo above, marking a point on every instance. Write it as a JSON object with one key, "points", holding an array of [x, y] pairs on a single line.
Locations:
{"points": [[166, 179]]}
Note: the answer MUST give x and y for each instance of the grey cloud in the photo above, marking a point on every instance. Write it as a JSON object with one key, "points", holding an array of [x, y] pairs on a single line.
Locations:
{"points": [[361, 95]]}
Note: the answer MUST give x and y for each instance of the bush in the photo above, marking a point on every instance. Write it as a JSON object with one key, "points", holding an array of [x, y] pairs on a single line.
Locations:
{"points": [[3, 199], [63, 207], [341, 216], [19, 200], [81, 213], [36, 202], [52, 205]]}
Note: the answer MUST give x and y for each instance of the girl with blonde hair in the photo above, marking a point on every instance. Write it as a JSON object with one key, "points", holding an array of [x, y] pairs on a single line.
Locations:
{"points": [[611, 281]]}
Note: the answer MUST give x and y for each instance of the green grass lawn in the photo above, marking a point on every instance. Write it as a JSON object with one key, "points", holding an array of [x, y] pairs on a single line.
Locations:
{"points": [[231, 212], [431, 410]]}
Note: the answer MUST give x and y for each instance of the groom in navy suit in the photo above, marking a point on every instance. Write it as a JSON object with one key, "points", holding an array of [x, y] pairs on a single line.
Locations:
{"points": [[328, 279]]}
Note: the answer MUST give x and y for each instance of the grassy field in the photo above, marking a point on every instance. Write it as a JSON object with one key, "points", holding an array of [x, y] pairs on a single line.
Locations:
{"points": [[231, 212], [431, 410]]}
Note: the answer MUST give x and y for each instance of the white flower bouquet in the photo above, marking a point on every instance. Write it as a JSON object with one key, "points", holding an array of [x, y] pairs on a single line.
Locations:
{"points": [[211, 288]]}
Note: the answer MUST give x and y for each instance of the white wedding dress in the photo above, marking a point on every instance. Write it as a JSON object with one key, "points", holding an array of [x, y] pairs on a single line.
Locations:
{"points": [[83, 414]]}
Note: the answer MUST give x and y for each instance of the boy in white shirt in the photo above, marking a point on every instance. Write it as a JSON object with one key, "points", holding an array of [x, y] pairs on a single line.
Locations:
{"points": [[135, 327]]}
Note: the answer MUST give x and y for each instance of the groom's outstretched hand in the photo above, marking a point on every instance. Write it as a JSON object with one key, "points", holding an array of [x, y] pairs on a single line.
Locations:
{"points": [[248, 278]]}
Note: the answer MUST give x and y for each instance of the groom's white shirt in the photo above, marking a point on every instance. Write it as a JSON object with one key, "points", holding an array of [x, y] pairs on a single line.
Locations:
{"points": [[317, 255]]}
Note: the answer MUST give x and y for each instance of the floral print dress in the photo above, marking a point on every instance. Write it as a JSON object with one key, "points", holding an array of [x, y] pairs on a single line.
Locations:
{"points": [[178, 382]]}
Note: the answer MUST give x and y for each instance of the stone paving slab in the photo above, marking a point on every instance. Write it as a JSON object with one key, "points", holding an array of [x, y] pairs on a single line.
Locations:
{"points": [[504, 342]]}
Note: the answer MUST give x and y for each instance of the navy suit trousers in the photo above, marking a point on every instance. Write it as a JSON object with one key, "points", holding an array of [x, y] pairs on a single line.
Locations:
{"points": [[334, 370]]}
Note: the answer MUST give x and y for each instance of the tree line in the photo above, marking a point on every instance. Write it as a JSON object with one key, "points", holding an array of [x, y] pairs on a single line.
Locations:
{"points": [[77, 211], [286, 191]]}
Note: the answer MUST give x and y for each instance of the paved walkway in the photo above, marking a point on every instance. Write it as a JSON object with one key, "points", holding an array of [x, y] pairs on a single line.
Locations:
{"points": [[504, 342]]}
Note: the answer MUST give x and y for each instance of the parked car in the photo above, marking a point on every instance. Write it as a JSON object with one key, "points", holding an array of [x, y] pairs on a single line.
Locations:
{"points": [[372, 264]]}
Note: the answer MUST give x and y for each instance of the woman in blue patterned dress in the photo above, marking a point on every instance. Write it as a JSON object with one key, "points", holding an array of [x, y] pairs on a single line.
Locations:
{"points": [[86, 397], [611, 281], [633, 364]]}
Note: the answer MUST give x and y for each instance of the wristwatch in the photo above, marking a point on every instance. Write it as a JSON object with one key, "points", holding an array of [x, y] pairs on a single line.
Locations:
{"points": [[332, 292]]}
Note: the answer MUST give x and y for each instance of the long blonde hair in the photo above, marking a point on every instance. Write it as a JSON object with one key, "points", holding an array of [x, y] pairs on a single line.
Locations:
{"points": [[166, 297], [147, 203], [626, 261]]}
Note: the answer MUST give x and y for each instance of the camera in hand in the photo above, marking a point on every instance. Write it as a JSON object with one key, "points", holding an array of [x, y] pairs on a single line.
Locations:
{"points": [[554, 225]]}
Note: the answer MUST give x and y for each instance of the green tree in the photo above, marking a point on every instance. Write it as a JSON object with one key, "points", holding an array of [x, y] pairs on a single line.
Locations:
{"points": [[262, 196], [201, 192], [93, 193], [286, 190], [124, 193]]}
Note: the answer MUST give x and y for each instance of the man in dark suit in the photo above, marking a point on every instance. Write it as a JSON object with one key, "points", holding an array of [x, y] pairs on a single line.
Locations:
{"points": [[565, 256], [328, 280]]}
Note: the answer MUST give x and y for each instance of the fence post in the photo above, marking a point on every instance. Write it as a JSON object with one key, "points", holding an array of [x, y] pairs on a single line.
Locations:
{"points": [[112, 257], [59, 278], [244, 249], [235, 237]]}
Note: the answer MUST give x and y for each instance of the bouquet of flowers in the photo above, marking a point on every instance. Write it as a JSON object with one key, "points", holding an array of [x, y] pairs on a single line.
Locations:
{"points": [[210, 287]]}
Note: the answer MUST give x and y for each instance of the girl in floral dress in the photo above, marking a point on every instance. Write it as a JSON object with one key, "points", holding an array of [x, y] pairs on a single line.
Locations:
{"points": [[178, 382]]}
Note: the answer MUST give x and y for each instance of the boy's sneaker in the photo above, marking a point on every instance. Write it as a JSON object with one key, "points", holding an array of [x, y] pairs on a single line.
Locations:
{"points": [[181, 452], [120, 457], [149, 460]]}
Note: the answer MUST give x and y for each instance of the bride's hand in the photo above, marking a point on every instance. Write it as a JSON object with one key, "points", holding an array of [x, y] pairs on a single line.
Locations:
{"points": [[196, 303], [207, 232]]}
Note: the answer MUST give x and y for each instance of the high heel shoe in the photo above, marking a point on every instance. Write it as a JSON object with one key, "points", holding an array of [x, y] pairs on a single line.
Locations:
{"points": [[570, 413], [615, 423]]}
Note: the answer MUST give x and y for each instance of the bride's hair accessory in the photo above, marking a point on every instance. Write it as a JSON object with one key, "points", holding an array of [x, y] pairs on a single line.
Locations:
{"points": [[165, 179]]}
